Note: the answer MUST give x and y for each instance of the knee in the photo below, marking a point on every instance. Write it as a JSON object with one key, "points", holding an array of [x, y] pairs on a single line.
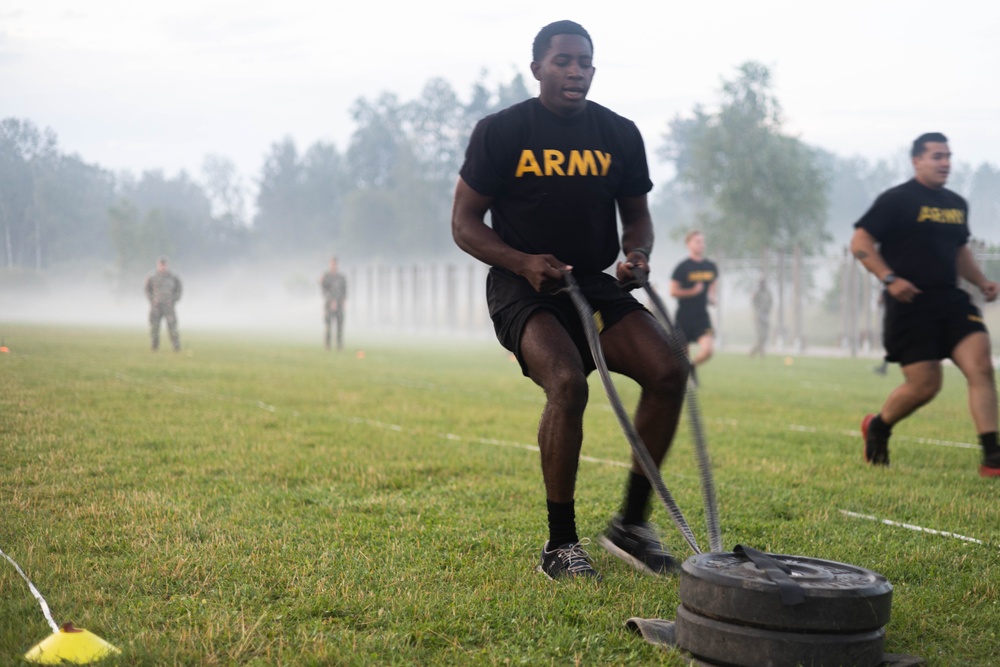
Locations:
{"points": [[567, 389], [926, 389], [668, 380], [982, 375]]}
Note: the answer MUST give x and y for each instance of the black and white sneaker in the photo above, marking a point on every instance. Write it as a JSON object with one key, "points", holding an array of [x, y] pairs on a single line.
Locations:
{"points": [[639, 546], [567, 562]]}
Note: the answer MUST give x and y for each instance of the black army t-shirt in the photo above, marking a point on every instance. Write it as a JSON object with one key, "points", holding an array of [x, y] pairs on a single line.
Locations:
{"points": [[919, 231], [555, 180], [687, 274]]}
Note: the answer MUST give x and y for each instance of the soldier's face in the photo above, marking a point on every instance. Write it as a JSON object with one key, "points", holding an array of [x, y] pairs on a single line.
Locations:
{"points": [[565, 73], [696, 245], [161, 267], [932, 167]]}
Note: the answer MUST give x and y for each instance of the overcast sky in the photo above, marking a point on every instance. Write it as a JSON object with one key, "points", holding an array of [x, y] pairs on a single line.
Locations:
{"points": [[142, 85]]}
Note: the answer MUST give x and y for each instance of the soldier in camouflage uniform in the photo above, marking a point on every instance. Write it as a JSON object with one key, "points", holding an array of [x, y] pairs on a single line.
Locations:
{"points": [[762, 303], [334, 286], [163, 289]]}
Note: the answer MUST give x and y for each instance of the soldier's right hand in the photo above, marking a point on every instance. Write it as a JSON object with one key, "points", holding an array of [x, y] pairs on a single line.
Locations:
{"points": [[903, 290], [544, 272]]}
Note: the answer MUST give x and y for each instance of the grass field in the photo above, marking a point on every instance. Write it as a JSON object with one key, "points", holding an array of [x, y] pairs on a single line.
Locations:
{"points": [[262, 502]]}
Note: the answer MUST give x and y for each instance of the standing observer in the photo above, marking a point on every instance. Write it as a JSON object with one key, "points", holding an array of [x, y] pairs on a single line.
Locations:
{"points": [[914, 239], [694, 284], [163, 290], [762, 303], [334, 286], [551, 171]]}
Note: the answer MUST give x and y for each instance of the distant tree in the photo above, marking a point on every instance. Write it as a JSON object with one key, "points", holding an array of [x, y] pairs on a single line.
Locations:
{"points": [[26, 154], [324, 182], [379, 143], [399, 197], [403, 161], [278, 197], [138, 239], [229, 231], [179, 210], [77, 197], [301, 199], [765, 189], [224, 189], [434, 126]]}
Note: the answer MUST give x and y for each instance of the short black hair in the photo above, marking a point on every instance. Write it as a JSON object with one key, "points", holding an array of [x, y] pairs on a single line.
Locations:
{"points": [[543, 40], [920, 143]]}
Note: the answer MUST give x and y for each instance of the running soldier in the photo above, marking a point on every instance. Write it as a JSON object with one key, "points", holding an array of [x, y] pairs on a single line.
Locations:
{"points": [[914, 239], [334, 286], [163, 289], [693, 284]]}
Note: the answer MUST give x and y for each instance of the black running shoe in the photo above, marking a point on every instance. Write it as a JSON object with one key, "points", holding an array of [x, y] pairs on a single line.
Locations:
{"points": [[567, 562], [639, 546], [990, 466], [876, 447]]}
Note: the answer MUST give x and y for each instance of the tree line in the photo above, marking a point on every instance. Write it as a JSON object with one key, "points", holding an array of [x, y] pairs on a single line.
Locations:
{"points": [[739, 176]]}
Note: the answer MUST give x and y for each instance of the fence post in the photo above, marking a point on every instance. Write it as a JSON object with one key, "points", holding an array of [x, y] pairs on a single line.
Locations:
{"points": [[779, 329], [797, 296]]}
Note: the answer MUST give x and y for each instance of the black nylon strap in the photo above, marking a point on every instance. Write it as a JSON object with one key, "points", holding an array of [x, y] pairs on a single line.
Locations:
{"points": [[778, 572]]}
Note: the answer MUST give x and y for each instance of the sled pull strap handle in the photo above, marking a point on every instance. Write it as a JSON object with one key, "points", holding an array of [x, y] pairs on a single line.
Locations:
{"points": [[778, 572]]}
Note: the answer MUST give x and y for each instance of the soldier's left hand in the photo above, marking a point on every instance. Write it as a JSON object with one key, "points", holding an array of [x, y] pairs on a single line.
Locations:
{"points": [[990, 290], [623, 271]]}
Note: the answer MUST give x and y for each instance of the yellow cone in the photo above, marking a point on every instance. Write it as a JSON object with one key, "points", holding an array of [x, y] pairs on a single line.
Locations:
{"points": [[72, 645]]}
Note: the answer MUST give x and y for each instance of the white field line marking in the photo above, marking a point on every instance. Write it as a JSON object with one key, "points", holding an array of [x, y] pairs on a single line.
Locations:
{"points": [[802, 428], [177, 389], [34, 591], [530, 448], [371, 422], [534, 448], [910, 526], [480, 441], [726, 421]]}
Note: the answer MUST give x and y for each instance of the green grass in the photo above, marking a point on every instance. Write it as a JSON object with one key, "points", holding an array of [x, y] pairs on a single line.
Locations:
{"points": [[262, 502]]}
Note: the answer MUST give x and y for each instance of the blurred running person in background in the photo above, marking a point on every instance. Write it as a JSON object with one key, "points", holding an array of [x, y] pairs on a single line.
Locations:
{"points": [[163, 289], [693, 284], [914, 238], [552, 171]]}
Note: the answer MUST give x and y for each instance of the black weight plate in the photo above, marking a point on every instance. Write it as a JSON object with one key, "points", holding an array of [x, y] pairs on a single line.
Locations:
{"points": [[838, 597], [733, 645]]}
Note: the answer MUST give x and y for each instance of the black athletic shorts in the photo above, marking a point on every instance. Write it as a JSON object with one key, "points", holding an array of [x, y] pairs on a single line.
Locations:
{"points": [[929, 328], [694, 324], [512, 300]]}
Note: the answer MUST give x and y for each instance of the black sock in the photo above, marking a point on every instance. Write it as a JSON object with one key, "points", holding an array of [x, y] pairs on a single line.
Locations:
{"points": [[989, 443], [562, 524], [635, 510], [879, 427]]}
